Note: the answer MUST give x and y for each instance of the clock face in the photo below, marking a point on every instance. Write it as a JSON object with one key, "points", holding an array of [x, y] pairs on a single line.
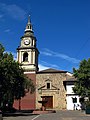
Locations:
{"points": [[27, 42]]}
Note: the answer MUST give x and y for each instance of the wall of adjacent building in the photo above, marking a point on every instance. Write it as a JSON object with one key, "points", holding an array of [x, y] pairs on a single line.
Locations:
{"points": [[70, 96]]}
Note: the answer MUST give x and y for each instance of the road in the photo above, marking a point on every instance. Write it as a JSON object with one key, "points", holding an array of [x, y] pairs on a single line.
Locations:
{"points": [[59, 115]]}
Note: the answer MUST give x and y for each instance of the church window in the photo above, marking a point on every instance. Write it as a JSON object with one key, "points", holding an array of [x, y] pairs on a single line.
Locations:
{"points": [[48, 85], [25, 57]]}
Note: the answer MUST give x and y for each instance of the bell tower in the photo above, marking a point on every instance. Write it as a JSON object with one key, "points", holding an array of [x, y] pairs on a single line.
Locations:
{"points": [[27, 52]]}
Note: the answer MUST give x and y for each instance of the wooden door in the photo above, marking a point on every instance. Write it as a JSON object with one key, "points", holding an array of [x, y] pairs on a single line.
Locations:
{"points": [[49, 103]]}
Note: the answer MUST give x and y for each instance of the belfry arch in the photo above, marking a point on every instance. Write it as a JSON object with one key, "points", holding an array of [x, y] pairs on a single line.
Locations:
{"points": [[25, 57]]}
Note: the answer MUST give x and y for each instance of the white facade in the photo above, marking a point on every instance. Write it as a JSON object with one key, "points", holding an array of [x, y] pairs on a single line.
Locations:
{"points": [[71, 98]]}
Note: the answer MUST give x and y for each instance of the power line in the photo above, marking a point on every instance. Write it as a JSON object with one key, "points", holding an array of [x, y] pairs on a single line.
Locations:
{"points": [[83, 45], [78, 52]]}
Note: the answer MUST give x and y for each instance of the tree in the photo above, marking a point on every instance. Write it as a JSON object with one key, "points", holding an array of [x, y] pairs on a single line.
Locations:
{"points": [[13, 82], [82, 74]]}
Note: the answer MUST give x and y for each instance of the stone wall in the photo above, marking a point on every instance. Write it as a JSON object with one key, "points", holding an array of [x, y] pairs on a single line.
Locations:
{"points": [[58, 91]]}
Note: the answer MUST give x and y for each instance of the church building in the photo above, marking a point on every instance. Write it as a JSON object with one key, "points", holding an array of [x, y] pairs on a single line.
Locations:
{"points": [[51, 84]]}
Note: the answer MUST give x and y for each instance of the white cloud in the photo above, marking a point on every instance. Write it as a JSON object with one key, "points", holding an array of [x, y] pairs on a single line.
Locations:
{"points": [[45, 65], [49, 64], [42, 67], [48, 52], [1, 16], [13, 53], [13, 10], [7, 30]]}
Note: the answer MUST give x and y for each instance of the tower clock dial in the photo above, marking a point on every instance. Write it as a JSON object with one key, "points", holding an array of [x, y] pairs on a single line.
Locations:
{"points": [[27, 42]]}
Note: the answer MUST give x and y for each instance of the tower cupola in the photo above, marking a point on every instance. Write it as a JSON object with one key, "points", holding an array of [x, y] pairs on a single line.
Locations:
{"points": [[29, 26]]}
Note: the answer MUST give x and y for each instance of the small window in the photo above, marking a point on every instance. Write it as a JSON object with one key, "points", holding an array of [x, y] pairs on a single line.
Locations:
{"points": [[74, 100], [48, 85]]}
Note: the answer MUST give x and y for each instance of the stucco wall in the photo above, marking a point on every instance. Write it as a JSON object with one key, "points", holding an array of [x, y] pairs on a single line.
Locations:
{"points": [[27, 102]]}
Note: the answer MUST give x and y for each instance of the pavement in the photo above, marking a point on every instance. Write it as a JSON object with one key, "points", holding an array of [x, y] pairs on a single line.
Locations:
{"points": [[59, 115]]}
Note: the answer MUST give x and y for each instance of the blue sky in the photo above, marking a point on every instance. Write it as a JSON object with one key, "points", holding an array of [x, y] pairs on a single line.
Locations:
{"points": [[62, 29]]}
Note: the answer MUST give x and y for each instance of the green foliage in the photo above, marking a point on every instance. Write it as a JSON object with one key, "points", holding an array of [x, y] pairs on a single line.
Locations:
{"points": [[29, 85], [1, 51], [12, 79], [82, 86], [87, 104]]}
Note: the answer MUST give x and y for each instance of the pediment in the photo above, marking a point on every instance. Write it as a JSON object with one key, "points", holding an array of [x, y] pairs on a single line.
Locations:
{"points": [[48, 80], [45, 88]]}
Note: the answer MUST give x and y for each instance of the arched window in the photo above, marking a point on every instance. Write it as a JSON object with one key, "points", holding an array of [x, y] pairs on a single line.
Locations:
{"points": [[28, 27], [25, 57]]}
